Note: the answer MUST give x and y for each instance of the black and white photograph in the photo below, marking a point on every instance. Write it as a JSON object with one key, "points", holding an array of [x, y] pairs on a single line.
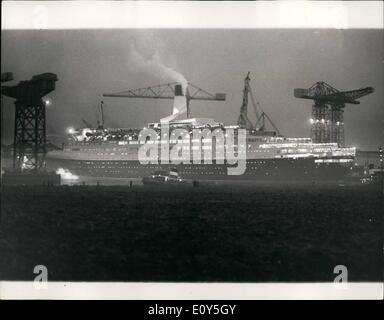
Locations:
{"points": [[191, 160]]}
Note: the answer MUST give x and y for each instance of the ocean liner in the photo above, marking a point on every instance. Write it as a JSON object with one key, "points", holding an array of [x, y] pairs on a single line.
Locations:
{"points": [[268, 156]]}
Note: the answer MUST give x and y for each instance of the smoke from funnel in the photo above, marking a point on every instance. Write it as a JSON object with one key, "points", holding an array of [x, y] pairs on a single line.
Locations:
{"points": [[155, 66]]}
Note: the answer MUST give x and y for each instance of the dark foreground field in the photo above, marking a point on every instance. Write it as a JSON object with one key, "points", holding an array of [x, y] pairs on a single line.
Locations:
{"points": [[191, 234]]}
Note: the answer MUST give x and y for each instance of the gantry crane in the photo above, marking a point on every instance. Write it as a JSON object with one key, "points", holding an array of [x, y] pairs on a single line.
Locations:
{"points": [[30, 135], [327, 112], [167, 91]]}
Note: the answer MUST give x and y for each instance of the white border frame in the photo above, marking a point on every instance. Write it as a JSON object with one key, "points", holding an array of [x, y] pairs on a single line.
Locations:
{"points": [[52, 15], [191, 291], [33, 15]]}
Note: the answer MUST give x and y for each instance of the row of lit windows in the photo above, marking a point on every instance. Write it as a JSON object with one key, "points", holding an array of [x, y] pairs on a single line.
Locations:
{"points": [[184, 172], [249, 163]]}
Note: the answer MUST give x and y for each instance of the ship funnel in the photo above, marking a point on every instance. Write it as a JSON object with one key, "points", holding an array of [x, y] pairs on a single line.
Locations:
{"points": [[179, 104]]}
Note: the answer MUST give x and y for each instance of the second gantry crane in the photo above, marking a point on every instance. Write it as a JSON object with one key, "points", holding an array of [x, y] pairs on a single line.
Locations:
{"points": [[327, 122]]}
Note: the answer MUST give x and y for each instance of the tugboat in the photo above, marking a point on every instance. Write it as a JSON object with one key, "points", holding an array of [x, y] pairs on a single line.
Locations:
{"points": [[163, 177]]}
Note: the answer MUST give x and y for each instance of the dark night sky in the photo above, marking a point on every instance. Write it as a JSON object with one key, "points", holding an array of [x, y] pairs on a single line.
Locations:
{"points": [[89, 63]]}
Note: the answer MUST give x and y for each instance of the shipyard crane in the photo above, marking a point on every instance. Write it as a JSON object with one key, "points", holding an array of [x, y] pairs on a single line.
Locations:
{"points": [[30, 120], [261, 119], [167, 91], [327, 112], [100, 120], [243, 120]]}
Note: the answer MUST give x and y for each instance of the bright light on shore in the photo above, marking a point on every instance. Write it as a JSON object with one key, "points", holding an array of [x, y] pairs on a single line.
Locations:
{"points": [[66, 174], [70, 130]]}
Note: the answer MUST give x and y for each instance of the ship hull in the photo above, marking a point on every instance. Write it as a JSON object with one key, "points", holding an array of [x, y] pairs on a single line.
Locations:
{"points": [[257, 170]]}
